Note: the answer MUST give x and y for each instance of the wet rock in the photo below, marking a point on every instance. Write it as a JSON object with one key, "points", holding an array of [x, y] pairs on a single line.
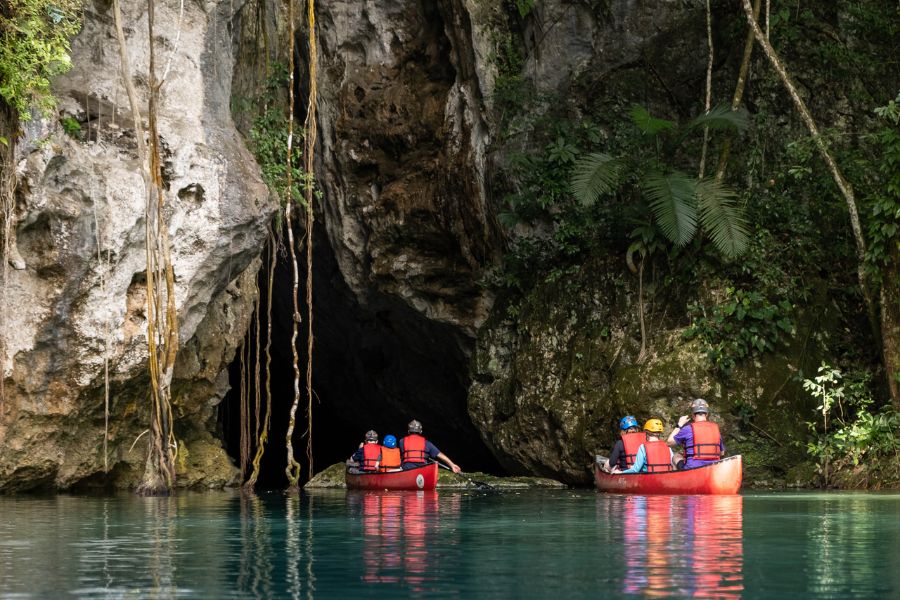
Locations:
{"points": [[333, 477]]}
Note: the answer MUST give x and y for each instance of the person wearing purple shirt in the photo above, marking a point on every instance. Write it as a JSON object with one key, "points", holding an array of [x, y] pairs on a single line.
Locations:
{"points": [[684, 435]]}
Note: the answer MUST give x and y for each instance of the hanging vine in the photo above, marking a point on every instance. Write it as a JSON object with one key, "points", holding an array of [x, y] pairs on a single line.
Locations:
{"points": [[162, 321], [309, 153], [292, 470], [263, 433]]}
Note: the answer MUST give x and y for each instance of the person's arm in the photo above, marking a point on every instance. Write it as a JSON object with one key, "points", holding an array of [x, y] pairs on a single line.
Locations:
{"points": [[639, 460], [616, 454], [432, 451], [443, 457], [672, 441]]}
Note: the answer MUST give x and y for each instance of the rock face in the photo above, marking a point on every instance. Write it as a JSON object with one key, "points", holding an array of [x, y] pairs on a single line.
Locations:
{"points": [[407, 225], [550, 388], [79, 302]]}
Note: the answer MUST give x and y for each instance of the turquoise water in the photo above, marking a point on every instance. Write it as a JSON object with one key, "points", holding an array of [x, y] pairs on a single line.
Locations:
{"points": [[572, 544]]}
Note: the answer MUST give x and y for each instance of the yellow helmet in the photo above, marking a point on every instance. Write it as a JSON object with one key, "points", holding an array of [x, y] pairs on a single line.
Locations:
{"points": [[653, 426]]}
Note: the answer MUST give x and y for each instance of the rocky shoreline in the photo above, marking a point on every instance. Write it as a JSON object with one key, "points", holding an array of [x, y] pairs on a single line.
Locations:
{"points": [[333, 478]]}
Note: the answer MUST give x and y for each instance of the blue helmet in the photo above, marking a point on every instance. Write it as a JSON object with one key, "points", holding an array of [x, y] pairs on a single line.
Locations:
{"points": [[628, 422], [389, 441]]}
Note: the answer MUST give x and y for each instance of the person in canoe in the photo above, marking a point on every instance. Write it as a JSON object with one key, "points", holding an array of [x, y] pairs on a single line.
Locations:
{"points": [[700, 437], [654, 455], [390, 455], [416, 450], [625, 449], [367, 457]]}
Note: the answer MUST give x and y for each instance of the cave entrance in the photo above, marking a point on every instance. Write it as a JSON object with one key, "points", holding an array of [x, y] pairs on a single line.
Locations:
{"points": [[375, 367]]}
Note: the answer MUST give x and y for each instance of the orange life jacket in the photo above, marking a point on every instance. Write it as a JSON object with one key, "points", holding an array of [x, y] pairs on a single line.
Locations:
{"points": [[707, 441], [390, 459], [414, 449], [632, 442], [371, 456], [659, 460]]}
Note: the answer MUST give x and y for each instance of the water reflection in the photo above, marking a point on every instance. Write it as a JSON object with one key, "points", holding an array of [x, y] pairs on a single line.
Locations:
{"points": [[494, 545], [684, 546], [398, 528]]}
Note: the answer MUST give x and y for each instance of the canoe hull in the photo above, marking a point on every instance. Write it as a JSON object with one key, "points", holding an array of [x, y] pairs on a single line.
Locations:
{"points": [[723, 477], [422, 478]]}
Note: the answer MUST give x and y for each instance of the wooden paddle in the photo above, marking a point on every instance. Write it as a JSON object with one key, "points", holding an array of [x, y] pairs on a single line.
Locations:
{"points": [[479, 485]]}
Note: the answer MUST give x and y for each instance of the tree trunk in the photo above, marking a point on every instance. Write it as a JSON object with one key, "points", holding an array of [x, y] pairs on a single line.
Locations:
{"points": [[843, 185], [890, 326], [738, 92]]}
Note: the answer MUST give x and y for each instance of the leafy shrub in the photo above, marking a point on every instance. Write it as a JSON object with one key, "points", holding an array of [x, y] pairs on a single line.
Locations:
{"points": [[71, 126], [855, 433], [744, 324], [34, 47], [269, 136]]}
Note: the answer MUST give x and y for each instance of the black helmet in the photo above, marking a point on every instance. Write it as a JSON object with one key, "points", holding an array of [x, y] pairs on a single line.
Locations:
{"points": [[699, 406], [414, 427], [371, 436]]}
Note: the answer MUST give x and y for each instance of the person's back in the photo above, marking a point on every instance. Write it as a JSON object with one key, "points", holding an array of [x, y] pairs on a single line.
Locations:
{"points": [[707, 441], [659, 456], [631, 442], [414, 452], [390, 454], [622, 456], [653, 455], [371, 456], [368, 456], [701, 438]]}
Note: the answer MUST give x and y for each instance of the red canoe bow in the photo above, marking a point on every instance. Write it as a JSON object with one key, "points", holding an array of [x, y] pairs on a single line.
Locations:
{"points": [[420, 478], [722, 477]]}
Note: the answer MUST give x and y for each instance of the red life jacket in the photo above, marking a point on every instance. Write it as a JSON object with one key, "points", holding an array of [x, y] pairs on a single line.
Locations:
{"points": [[371, 456], [707, 441], [390, 459], [414, 449], [632, 441], [659, 460]]}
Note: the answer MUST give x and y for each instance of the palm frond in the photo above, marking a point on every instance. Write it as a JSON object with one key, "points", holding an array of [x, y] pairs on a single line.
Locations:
{"points": [[721, 217], [721, 118], [595, 175], [648, 124], [672, 199]]}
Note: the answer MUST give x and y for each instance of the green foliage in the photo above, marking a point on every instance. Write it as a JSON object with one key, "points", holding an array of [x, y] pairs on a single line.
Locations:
{"points": [[742, 325], [857, 433], [269, 137], [884, 222], [71, 126], [525, 7], [34, 47], [677, 201], [596, 174]]}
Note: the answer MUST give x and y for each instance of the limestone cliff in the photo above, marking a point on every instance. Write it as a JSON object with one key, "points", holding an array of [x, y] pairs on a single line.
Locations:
{"points": [[75, 302]]}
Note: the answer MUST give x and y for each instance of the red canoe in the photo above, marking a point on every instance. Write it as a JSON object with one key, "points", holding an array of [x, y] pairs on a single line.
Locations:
{"points": [[723, 477], [422, 478]]}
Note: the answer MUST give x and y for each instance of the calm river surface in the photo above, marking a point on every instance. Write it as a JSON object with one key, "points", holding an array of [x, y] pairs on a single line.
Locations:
{"points": [[571, 544]]}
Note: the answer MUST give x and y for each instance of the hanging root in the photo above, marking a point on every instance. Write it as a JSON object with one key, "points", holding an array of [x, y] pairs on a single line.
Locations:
{"points": [[309, 154], [162, 320], [292, 470], [263, 437]]}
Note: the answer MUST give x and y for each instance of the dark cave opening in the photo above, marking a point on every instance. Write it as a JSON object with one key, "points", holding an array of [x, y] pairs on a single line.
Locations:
{"points": [[375, 367], [378, 362]]}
